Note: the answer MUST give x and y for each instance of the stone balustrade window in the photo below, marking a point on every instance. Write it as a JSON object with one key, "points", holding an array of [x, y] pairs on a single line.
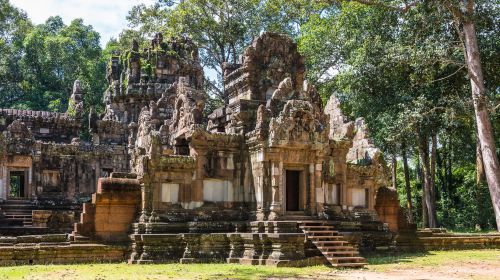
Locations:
{"points": [[170, 193], [51, 180], [335, 194], [217, 190], [359, 197]]}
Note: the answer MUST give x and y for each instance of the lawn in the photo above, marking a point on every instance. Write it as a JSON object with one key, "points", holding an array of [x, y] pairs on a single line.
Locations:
{"points": [[469, 264]]}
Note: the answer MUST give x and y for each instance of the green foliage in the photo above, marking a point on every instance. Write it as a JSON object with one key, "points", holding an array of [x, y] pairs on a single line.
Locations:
{"points": [[405, 74], [71, 108], [38, 64]]}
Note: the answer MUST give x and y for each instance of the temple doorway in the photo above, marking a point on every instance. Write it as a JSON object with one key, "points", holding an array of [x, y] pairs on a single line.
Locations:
{"points": [[292, 190], [17, 184]]}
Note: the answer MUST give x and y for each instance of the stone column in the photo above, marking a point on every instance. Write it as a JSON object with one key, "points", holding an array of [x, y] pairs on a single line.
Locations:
{"points": [[146, 203], [153, 218], [30, 187], [192, 249], [3, 179], [237, 248], [312, 190], [276, 186], [319, 188], [197, 184], [258, 166]]}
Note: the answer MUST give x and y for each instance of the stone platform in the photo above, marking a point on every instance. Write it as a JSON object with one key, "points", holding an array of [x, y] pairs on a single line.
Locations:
{"points": [[275, 249], [440, 239], [55, 249]]}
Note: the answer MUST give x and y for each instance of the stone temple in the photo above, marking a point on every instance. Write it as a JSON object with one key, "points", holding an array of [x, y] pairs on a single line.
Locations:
{"points": [[273, 177]]}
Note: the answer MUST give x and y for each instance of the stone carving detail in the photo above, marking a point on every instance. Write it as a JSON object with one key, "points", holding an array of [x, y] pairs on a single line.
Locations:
{"points": [[340, 127], [188, 109], [296, 123], [363, 150], [75, 107], [19, 138]]}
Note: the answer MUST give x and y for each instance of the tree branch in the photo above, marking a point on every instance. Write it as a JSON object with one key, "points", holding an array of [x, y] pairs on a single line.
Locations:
{"points": [[454, 10], [452, 74], [470, 7], [377, 3]]}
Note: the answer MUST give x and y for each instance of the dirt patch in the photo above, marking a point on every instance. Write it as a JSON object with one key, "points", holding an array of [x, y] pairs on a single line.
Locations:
{"points": [[463, 270]]}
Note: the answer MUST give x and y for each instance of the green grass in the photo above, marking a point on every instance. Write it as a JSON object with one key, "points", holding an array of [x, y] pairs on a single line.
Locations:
{"points": [[431, 258], [473, 231], [163, 271], [378, 263]]}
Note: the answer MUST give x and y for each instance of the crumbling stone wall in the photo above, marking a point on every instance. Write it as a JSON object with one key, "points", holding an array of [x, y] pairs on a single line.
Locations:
{"points": [[112, 211]]}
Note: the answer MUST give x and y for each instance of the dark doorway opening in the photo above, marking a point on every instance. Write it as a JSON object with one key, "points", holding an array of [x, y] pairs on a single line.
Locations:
{"points": [[17, 180], [181, 147], [292, 190]]}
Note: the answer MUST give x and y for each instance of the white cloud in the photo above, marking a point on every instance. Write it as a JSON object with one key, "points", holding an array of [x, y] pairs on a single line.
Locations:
{"points": [[106, 16]]}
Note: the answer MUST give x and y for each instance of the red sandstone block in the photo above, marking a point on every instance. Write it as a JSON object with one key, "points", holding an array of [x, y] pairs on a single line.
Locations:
{"points": [[111, 227], [85, 218], [115, 218], [88, 208]]}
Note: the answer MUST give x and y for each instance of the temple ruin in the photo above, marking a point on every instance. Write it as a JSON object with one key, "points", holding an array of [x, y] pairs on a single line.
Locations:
{"points": [[273, 177]]}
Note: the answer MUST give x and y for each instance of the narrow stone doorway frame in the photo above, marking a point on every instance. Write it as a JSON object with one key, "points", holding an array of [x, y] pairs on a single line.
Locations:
{"points": [[24, 175], [303, 187]]}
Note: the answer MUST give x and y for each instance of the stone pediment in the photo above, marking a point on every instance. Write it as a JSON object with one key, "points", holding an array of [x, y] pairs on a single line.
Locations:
{"points": [[297, 123]]}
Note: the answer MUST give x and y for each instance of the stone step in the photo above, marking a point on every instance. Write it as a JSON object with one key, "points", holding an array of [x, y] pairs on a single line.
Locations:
{"points": [[11, 201], [327, 243], [322, 231], [76, 238], [18, 211], [314, 223], [328, 248], [316, 227], [346, 259], [331, 242], [296, 218], [357, 265], [325, 233], [333, 245], [335, 253], [323, 237], [17, 217]]}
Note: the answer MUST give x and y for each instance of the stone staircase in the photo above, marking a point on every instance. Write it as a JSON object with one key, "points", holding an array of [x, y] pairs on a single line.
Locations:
{"points": [[18, 211], [332, 244]]}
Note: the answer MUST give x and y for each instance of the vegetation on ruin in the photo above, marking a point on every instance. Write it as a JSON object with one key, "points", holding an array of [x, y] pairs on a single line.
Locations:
{"points": [[402, 69], [406, 264]]}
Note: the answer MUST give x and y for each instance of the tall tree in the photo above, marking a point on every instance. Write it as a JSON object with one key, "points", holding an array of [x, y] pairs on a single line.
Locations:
{"points": [[463, 13], [14, 25], [55, 56]]}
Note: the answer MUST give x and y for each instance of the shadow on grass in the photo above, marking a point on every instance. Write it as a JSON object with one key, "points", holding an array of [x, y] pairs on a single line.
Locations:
{"points": [[394, 257], [245, 273]]}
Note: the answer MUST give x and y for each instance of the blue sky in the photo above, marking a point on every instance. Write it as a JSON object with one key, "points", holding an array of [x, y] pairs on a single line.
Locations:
{"points": [[106, 16]]}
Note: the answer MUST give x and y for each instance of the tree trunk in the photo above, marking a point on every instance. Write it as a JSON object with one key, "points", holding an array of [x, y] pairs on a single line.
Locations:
{"points": [[433, 174], [426, 169], [425, 210], [449, 170], [479, 180], [394, 169], [484, 128], [420, 176], [406, 170], [479, 164]]}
